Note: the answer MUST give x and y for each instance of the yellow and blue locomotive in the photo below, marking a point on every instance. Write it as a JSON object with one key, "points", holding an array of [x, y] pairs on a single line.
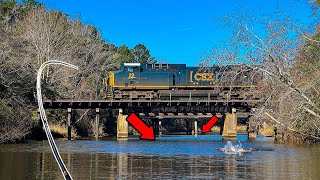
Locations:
{"points": [[174, 81]]}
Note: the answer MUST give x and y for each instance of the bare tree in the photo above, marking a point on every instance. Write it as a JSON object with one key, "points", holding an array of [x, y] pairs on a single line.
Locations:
{"points": [[272, 47], [53, 36]]}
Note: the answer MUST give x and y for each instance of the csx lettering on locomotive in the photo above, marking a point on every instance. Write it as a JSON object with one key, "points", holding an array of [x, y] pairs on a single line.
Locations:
{"points": [[203, 76]]}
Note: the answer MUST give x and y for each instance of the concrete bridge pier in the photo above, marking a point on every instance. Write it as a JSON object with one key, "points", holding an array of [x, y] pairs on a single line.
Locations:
{"points": [[194, 127], [122, 126], [229, 125]]}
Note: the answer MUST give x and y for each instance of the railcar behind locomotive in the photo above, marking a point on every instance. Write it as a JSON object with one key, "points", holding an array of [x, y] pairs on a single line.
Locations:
{"points": [[174, 81]]}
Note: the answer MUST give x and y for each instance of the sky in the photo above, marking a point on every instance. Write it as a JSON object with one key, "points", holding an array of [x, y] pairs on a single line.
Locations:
{"points": [[175, 31]]}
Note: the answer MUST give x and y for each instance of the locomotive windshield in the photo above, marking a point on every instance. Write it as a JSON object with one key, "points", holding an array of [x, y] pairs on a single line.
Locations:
{"points": [[131, 67]]}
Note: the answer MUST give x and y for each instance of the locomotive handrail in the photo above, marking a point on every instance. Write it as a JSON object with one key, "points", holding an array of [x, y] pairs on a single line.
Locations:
{"points": [[154, 100]]}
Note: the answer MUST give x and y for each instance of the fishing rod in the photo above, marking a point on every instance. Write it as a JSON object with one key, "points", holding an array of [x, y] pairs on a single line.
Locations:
{"points": [[54, 149]]}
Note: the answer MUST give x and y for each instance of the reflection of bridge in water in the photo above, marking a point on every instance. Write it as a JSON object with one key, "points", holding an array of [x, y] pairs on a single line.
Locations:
{"points": [[193, 110], [171, 157]]}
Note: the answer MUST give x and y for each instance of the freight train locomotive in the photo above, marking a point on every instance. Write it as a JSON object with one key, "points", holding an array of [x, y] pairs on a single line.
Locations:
{"points": [[176, 81]]}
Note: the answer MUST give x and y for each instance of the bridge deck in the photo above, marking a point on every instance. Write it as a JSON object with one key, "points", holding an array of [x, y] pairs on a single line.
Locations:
{"points": [[188, 115], [164, 106]]}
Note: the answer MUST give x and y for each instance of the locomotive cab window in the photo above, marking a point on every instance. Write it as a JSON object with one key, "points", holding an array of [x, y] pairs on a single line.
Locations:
{"points": [[136, 69], [131, 82], [129, 69]]}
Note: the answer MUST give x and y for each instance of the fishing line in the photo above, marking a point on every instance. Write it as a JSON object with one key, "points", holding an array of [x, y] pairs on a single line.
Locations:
{"points": [[54, 149]]}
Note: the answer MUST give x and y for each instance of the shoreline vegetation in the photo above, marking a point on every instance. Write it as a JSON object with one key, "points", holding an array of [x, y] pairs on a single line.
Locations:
{"points": [[30, 35]]}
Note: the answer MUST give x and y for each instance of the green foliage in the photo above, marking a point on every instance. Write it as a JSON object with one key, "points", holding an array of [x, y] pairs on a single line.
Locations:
{"points": [[7, 10], [125, 55], [141, 53], [11, 11]]}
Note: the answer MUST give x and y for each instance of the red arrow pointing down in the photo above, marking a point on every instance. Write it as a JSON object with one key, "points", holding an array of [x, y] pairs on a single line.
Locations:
{"points": [[207, 127], [146, 132]]}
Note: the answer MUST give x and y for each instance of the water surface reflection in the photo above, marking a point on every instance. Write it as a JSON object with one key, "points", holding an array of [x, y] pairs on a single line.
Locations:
{"points": [[179, 157]]}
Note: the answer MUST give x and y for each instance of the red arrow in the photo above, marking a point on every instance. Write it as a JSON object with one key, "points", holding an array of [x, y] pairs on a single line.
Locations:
{"points": [[207, 127], [146, 132]]}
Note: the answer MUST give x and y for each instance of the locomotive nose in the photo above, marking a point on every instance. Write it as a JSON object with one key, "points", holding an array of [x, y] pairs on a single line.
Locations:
{"points": [[111, 79]]}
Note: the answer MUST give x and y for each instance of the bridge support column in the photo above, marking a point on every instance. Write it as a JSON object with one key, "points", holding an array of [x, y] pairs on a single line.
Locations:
{"points": [[122, 126], [155, 125], [96, 124], [192, 126], [160, 127], [195, 127], [69, 123], [230, 125], [188, 126]]}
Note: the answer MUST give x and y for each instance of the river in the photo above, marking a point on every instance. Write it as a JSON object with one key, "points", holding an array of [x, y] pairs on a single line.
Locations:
{"points": [[169, 157]]}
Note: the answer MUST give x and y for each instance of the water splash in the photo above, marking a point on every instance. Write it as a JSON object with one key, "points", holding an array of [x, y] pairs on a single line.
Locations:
{"points": [[229, 148]]}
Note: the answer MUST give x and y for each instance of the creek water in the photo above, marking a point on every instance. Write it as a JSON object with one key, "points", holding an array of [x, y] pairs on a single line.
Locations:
{"points": [[169, 157]]}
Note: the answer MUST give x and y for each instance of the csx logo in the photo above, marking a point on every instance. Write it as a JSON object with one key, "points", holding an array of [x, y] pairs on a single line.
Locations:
{"points": [[203, 76]]}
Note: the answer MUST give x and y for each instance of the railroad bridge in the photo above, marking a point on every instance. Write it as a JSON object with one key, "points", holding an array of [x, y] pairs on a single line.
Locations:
{"points": [[227, 110]]}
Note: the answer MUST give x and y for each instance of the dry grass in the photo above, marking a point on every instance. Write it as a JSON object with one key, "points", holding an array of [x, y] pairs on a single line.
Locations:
{"points": [[267, 130], [242, 128], [62, 130], [239, 128], [101, 133], [215, 129]]}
